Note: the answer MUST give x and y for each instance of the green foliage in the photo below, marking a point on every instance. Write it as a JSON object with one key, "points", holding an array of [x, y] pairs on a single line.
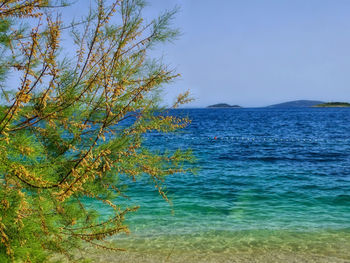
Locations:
{"points": [[333, 104], [4, 27], [72, 130]]}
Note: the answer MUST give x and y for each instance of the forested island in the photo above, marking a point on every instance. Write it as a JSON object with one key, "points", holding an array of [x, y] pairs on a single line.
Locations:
{"points": [[292, 104], [332, 105], [223, 105], [297, 104]]}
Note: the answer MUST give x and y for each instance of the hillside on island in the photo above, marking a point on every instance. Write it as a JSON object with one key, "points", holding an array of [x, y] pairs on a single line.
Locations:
{"points": [[332, 104], [297, 104], [223, 105]]}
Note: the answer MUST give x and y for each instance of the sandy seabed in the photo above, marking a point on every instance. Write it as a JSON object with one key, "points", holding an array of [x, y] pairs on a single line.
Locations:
{"points": [[262, 246], [178, 256]]}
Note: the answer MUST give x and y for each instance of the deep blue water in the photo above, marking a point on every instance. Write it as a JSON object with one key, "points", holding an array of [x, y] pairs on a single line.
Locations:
{"points": [[260, 170]]}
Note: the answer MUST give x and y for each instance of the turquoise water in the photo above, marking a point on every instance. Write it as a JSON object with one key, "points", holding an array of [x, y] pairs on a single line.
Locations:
{"points": [[272, 181]]}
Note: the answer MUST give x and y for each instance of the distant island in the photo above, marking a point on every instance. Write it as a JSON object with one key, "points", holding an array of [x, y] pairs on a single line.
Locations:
{"points": [[223, 105], [297, 104], [332, 104], [292, 104]]}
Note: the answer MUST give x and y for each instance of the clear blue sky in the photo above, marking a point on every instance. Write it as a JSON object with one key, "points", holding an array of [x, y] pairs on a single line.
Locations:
{"points": [[259, 52]]}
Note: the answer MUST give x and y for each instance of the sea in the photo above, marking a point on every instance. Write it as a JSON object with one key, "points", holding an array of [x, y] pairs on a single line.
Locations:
{"points": [[273, 185]]}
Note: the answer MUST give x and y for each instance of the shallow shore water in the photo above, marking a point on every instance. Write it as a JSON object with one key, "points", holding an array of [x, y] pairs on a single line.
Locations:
{"points": [[273, 186], [245, 246]]}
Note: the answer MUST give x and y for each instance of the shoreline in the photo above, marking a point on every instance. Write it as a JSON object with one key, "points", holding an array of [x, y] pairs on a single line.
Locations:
{"points": [[194, 257], [243, 246]]}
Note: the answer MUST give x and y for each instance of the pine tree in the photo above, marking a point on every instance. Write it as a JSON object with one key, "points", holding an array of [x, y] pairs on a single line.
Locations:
{"points": [[72, 128]]}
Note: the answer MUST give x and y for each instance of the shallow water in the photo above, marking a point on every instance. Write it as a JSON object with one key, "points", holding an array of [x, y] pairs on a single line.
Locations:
{"points": [[273, 183]]}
